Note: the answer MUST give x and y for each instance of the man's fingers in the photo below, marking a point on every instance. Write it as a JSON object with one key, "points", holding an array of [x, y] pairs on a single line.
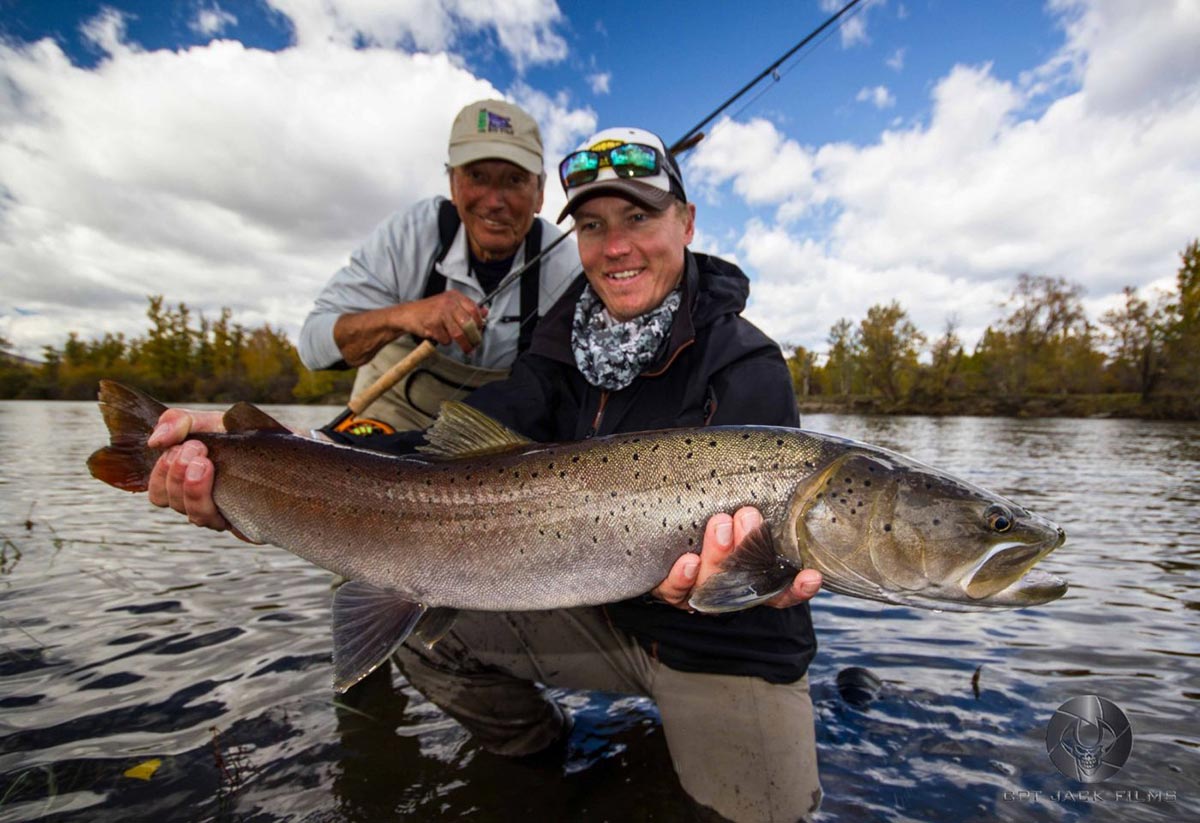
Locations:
{"points": [[471, 330], [173, 427], [719, 539], [678, 585], [804, 587], [745, 520], [177, 472], [157, 486], [197, 495], [461, 332]]}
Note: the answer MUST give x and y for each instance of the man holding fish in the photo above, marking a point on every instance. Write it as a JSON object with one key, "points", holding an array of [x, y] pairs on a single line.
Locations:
{"points": [[651, 338]]}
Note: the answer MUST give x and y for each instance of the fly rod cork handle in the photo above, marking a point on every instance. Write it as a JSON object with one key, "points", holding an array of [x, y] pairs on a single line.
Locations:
{"points": [[359, 403]]}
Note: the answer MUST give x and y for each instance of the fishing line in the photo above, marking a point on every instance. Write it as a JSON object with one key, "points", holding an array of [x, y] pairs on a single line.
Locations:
{"points": [[767, 72], [778, 76]]}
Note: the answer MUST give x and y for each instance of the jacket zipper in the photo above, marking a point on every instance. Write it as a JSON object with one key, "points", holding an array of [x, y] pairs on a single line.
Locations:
{"points": [[595, 427]]}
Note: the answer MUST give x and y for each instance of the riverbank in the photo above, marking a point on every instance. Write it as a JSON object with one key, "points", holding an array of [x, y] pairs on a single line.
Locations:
{"points": [[1176, 407]]}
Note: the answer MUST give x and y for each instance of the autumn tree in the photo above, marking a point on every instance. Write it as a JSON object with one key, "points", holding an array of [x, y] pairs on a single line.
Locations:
{"points": [[941, 377], [15, 375], [1135, 335], [1182, 331], [888, 345], [1048, 338], [801, 364], [839, 366]]}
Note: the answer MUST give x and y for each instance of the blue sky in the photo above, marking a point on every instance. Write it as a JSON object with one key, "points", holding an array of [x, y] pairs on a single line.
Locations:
{"points": [[929, 151]]}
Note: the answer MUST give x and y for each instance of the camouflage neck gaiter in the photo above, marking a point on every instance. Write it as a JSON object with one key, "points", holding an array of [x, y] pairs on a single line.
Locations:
{"points": [[611, 353]]}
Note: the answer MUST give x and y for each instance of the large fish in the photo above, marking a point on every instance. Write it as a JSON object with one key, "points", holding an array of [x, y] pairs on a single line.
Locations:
{"points": [[492, 521]]}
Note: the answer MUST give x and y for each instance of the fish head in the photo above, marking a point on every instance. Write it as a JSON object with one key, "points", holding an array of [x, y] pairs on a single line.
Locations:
{"points": [[877, 524]]}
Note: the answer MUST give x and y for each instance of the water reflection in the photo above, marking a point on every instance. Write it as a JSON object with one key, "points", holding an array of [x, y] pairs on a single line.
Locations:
{"points": [[126, 635]]}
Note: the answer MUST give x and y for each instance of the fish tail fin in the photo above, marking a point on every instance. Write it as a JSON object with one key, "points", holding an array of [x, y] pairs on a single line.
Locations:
{"points": [[369, 623], [753, 572], [130, 416]]}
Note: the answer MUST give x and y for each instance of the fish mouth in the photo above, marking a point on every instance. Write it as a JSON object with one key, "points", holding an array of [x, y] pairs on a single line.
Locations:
{"points": [[1034, 588], [1006, 574]]}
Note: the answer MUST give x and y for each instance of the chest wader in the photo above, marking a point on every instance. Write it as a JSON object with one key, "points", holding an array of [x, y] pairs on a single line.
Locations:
{"points": [[414, 402]]}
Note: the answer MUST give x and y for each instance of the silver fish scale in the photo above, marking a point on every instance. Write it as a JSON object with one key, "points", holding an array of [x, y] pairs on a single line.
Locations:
{"points": [[543, 527]]}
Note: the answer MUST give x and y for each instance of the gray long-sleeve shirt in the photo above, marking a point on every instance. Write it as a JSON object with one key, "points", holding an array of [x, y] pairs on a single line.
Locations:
{"points": [[392, 266]]}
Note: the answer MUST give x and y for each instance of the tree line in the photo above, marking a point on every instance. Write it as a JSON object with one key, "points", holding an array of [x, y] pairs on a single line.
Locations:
{"points": [[183, 357], [1043, 356]]}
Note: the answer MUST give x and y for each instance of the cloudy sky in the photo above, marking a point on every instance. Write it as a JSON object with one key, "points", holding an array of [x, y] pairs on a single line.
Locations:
{"points": [[228, 153]]}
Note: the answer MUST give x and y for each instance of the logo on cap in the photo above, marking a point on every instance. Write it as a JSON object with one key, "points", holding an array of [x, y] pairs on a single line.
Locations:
{"points": [[491, 122], [603, 146]]}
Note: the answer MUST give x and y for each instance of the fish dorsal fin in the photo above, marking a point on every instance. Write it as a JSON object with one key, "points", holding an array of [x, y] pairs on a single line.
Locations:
{"points": [[245, 417], [464, 431]]}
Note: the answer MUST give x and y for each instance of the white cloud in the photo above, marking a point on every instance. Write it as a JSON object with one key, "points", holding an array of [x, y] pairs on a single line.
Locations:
{"points": [[599, 82], [1119, 50], [107, 31], [763, 167], [212, 20], [525, 29], [852, 26], [896, 61], [218, 176], [1101, 186], [878, 96]]}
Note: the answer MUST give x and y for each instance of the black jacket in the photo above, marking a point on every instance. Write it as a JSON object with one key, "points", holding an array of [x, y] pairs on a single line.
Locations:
{"points": [[715, 369]]}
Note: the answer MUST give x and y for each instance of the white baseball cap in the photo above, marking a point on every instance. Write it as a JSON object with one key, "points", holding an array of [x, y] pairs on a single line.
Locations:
{"points": [[628, 162]]}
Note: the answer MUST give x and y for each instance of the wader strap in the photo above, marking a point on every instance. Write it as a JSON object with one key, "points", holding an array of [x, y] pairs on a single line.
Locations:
{"points": [[529, 287], [435, 281], [448, 223]]}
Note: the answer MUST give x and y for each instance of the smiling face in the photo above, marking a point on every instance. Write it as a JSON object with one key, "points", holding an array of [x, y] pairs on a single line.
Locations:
{"points": [[633, 256], [497, 202]]}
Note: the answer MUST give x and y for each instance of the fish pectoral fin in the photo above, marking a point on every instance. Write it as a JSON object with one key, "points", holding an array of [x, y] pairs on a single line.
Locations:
{"points": [[434, 625], [464, 431], [246, 417], [752, 573], [369, 623]]}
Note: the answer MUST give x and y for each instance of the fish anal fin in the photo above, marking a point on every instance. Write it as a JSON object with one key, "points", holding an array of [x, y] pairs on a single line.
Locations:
{"points": [[464, 431], [752, 573], [369, 623]]}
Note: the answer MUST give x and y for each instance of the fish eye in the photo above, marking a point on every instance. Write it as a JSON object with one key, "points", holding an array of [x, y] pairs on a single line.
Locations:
{"points": [[998, 518]]}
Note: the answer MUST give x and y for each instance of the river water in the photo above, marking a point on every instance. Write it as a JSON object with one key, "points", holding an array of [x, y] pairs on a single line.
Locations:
{"points": [[152, 670]]}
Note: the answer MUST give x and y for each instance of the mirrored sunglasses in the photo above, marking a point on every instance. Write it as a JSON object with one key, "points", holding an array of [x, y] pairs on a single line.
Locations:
{"points": [[626, 160]]}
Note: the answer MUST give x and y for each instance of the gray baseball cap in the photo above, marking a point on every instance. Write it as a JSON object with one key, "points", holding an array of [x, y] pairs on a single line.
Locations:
{"points": [[496, 130]]}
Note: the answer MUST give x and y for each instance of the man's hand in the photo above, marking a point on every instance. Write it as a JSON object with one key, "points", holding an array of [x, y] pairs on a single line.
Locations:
{"points": [[721, 534], [447, 317], [182, 478]]}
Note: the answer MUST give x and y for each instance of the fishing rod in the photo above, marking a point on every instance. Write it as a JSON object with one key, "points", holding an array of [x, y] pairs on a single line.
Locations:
{"points": [[695, 134], [359, 402]]}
